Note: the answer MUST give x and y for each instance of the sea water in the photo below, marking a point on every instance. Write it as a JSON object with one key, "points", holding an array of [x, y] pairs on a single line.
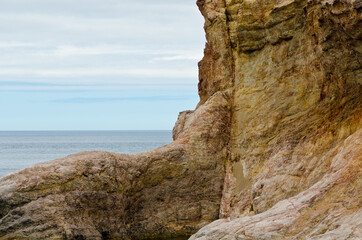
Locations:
{"points": [[21, 149]]}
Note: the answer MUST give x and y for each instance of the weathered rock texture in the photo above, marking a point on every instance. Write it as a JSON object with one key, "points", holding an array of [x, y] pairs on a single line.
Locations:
{"points": [[293, 68], [168, 192], [273, 148]]}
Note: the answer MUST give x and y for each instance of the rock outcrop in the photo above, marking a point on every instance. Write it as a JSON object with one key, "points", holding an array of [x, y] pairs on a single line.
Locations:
{"points": [[273, 148], [161, 194]]}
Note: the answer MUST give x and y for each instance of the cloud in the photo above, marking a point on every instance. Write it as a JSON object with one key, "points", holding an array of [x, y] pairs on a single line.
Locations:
{"points": [[59, 57], [180, 87], [73, 50], [125, 26], [187, 56], [16, 44], [117, 99], [86, 44], [90, 72], [96, 8], [135, 85]]}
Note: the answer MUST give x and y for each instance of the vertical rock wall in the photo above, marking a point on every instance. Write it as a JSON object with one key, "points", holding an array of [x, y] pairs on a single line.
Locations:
{"points": [[294, 73]]}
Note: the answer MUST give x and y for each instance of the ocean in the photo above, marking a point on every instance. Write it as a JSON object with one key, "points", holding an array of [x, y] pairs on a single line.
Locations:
{"points": [[21, 149]]}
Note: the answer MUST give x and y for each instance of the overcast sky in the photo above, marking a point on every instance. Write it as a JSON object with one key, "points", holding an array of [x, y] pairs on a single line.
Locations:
{"points": [[98, 64]]}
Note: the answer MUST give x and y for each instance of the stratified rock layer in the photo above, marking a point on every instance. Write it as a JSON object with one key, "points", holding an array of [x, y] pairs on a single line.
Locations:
{"points": [[273, 148], [293, 68]]}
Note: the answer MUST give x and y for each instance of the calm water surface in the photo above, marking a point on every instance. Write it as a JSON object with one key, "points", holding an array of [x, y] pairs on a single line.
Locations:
{"points": [[20, 149]]}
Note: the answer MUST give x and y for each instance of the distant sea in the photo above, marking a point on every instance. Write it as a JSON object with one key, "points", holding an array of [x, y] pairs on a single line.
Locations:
{"points": [[21, 149]]}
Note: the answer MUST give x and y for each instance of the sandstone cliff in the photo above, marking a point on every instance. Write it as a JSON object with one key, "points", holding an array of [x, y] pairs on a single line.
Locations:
{"points": [[273, 148]]}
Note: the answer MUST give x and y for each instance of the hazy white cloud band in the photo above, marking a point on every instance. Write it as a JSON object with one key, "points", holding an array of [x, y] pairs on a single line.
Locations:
{"points": [[93, 64], [97, 42]]}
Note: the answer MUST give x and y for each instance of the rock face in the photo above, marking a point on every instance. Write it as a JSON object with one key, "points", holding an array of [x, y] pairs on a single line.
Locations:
{"points": [[294, 72], [168, 192], [273, 148]]}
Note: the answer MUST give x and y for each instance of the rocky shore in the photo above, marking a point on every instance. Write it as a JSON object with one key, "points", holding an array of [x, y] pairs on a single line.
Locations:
{"points": [[272, 151]]}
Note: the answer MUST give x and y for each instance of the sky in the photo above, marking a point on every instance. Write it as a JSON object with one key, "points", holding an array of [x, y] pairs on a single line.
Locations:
{"points": [[98, 64]]}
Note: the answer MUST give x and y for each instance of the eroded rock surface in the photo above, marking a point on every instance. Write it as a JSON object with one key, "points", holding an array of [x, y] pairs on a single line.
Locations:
{"points": [[273, 148], [168, 192], [329, 209], [294, 73]]}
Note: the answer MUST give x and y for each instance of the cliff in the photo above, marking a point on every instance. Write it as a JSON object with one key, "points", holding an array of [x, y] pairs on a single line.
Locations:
{"points": [[273, 149]]}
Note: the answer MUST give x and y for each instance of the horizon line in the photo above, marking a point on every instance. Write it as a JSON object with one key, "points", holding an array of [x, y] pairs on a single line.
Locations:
{"points": [[80, 130]]}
